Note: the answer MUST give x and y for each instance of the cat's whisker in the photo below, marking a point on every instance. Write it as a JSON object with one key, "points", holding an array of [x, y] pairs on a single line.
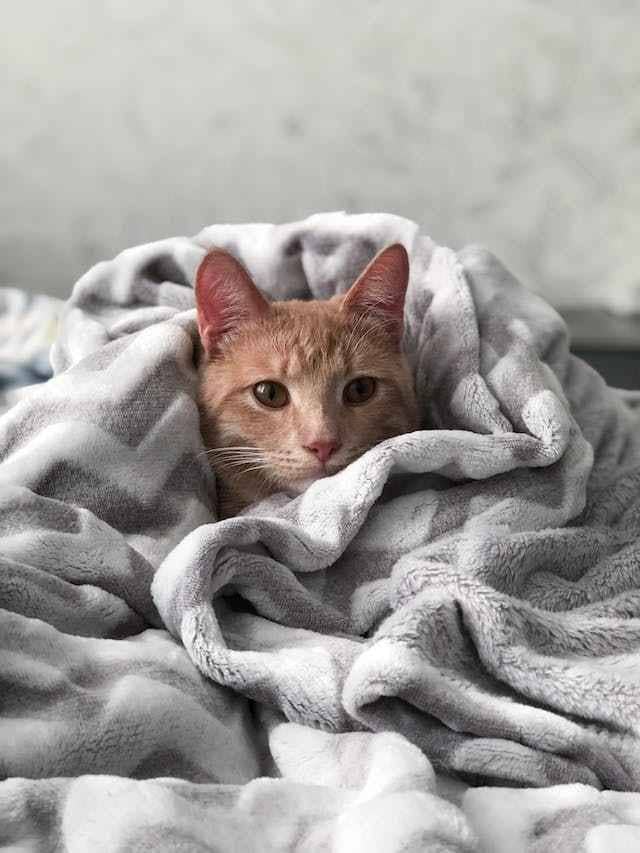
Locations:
{"points": [[242, 454], [237, 448], [238, 463], [253, 457], [241, 463], [232, 453], [263, 467], [206, 452]]}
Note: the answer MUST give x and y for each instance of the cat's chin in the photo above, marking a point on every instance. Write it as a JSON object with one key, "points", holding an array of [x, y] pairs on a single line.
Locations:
{"points": [[297, 487]]}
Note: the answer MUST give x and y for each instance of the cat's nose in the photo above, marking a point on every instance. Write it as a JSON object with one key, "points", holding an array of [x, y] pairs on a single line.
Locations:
{"points": [[323, 449]]}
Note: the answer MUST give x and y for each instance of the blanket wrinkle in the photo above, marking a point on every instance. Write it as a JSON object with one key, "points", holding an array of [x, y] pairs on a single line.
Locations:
{"points": [[463, 599]]}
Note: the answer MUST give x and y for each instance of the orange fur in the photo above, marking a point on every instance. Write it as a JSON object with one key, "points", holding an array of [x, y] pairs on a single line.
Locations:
{"points": [[312, 348]]}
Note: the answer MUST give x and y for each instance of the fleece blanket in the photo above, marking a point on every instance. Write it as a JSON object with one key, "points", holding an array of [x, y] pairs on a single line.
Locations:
{"points": [[462, 599]]}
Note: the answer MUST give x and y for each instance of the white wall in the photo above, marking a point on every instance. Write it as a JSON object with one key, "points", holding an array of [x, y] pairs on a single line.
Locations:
{"points": [[512, 123]]}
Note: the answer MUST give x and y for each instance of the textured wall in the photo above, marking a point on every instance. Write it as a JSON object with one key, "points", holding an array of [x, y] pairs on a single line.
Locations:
{"points": [[511, 123]]}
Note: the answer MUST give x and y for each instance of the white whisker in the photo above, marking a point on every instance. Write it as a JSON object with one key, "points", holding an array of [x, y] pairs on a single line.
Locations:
{"points": [[232, 452], [263, 467], [240, 463]]}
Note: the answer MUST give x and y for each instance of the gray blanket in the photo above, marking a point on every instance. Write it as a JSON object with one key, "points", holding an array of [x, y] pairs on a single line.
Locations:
{"points": [[466, 593]]}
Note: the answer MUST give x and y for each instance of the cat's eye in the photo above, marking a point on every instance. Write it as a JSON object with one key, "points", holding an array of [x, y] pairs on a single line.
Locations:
{"points": [[271, 394], [359, 390]]}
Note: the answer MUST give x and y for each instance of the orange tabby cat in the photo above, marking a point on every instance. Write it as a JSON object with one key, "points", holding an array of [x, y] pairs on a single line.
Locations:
{"points": [[293, 391]]}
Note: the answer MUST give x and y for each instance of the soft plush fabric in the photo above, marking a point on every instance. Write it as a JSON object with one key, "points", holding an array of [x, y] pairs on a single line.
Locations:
{"points": [[465, 593]]}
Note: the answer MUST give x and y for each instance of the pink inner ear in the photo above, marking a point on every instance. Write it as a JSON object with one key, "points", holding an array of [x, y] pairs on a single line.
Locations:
{"points": [[226, 297], [381, 288]]}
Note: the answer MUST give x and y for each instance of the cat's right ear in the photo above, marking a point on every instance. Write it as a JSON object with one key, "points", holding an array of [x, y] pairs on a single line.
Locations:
{"points": [[381, 288], [226, 297]]}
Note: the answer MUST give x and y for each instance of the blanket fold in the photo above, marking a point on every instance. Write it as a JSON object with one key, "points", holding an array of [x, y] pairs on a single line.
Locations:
{"points": [[469, 589]]}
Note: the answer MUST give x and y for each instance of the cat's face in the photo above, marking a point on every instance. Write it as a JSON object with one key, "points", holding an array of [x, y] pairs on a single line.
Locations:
{"points": [[293, 391]]}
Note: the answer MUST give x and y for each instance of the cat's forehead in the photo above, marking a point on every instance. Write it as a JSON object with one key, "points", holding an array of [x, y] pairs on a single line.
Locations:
{"points": [[298, 349], [309, 341], [301, 339]]}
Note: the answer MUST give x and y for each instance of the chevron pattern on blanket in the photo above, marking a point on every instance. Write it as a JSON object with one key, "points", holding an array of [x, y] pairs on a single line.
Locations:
{"points": [[462, 599]]}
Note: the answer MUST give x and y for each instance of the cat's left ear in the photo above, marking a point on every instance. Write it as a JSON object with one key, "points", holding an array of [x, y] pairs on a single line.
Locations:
{"points": [[380, 290]]}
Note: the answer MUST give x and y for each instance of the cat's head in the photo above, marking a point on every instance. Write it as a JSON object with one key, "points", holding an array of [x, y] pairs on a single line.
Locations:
{"points": [[292, 391]]}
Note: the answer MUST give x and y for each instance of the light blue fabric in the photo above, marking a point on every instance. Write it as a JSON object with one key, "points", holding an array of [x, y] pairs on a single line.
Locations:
{"points": [[28, 325]]}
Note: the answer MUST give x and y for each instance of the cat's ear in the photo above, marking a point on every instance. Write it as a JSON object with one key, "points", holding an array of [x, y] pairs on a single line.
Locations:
{"points": [[226, 297], [381, 288]]}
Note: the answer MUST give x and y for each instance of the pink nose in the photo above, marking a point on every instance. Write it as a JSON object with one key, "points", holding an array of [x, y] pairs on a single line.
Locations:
{"points": [[322, 449]]}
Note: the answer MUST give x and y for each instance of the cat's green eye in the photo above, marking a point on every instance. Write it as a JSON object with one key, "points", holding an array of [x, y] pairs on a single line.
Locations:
{"points": [[271, 394], [359, 390]]}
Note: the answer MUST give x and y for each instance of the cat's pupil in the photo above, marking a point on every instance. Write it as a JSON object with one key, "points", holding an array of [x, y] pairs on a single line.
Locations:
{"points": [[271, 394], [359, 390]]}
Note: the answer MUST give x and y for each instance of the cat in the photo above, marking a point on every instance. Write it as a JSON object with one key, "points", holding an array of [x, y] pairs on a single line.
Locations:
{"points": [[292, 391]]}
